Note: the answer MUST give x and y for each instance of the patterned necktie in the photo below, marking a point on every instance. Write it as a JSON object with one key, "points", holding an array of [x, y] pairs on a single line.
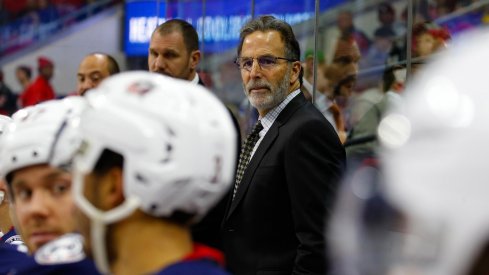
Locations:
{"points": [[245, 156]]}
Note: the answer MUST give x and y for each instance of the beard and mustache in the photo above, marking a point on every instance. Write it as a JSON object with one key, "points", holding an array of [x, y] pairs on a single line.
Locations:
{"points": [[268, 100]]}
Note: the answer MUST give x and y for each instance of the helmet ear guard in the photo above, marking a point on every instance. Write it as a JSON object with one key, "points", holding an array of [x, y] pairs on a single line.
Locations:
{"points": [[4, 123]]}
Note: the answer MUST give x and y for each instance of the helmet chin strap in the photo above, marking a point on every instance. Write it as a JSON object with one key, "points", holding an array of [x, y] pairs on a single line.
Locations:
{"points": [[2, 197], [98, 229], [100, 219]]}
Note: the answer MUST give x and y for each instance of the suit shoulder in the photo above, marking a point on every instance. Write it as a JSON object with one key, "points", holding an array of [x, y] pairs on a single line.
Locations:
{"points": [[309, 117]]}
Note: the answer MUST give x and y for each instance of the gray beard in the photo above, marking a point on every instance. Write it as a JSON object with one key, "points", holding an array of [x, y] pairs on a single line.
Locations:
{"points": [[274, 98]]}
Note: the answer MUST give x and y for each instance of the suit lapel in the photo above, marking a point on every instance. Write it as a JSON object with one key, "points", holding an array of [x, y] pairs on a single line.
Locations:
{"points": [[267, 141]]}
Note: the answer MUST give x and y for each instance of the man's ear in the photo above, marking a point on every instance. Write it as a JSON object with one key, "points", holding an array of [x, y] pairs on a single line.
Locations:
{"points": [[114, 189], [194, 59], [295, 72]]}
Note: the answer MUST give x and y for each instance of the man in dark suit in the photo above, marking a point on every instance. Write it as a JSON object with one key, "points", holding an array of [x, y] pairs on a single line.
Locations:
{"points": [[174, 51], [275, 219]]}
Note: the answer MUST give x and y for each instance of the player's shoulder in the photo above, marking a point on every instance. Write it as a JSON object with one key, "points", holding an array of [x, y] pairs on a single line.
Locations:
{"points": [[13, 259], [196, 267]]}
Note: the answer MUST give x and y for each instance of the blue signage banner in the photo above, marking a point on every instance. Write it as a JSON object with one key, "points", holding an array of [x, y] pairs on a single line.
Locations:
{"points": [[219, 27]]}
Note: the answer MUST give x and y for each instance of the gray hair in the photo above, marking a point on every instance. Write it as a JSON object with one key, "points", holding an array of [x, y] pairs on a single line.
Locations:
{"points": [[269, 23]]}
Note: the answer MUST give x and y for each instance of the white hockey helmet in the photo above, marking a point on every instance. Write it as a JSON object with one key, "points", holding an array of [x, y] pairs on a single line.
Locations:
{"points": [[177, 141], [4, 122], [30, 138], [435, 157], [434, 176]]}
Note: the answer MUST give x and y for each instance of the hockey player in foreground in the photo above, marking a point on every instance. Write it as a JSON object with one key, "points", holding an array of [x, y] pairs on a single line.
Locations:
{"points": [[40, 191], [156, 154]]}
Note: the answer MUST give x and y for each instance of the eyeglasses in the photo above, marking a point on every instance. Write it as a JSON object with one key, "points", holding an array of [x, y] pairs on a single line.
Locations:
{"points": [[265, 62]]}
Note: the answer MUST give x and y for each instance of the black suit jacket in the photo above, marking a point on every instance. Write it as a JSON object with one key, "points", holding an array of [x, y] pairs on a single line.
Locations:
{"points": [[207, 231], [275, 224]]}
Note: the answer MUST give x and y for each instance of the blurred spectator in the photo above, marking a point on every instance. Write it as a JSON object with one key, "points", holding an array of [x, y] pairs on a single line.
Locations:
{"points": [[4, 15], [47, 11], [377, 56], [382, 46], [425, 211], [361, 102], [14, 7], [40, 90], [308, 78], [341, 75], [387, 19], [362, 140], [345, 29], [433, 9], [323, 101], [23, 74], [428, 38], [67, 6], [29, 9], [8, 103], [342, 72]]}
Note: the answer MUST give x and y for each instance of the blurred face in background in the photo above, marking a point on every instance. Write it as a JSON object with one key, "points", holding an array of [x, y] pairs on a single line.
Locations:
{"points": [[342, 72], [344, 21], [47, 72], [93, 69], [21, 76], [425, 44]]}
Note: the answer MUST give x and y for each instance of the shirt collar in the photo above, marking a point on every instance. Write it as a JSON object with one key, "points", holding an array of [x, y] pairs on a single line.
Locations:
{"points": [[196, 79], [272, 115]]}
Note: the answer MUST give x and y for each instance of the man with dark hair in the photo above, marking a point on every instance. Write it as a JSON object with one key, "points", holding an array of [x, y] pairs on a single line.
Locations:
{"points": [[40, 90], [342, 72], [174, 50], [93, 69], [39, 191], [8, 104], [289, 165], [23, 74], [140, 191]]}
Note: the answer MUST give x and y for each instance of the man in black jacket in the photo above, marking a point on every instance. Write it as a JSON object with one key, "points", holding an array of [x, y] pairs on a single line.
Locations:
{"points": [[174, 51], [286, 181]]}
